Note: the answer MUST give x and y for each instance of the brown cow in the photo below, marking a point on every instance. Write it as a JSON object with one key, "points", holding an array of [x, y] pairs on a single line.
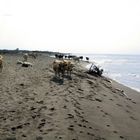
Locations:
{"points": [[1, 63], [68, 67], [58, 67]]}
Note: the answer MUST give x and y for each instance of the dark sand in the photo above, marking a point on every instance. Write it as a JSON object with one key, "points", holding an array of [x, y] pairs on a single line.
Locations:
{"points": [[36, 106]]}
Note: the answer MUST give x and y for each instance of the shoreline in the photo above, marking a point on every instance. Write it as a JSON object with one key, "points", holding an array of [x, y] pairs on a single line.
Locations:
{"points": [[107, 76], [132, 88]]}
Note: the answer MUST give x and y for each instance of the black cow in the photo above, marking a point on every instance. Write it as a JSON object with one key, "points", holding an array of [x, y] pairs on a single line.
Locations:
{"points": [[87, 58]]}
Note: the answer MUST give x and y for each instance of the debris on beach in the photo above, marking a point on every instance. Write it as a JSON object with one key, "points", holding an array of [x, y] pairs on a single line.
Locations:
{"points": [[95, 70], [24, 64]]}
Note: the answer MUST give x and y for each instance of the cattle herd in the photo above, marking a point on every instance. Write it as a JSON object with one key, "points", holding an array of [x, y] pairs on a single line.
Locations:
{"points": [[62, 65], [74, 57]]}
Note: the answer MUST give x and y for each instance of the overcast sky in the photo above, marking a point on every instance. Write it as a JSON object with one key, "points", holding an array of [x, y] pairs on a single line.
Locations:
{"points": [[86, 26]]}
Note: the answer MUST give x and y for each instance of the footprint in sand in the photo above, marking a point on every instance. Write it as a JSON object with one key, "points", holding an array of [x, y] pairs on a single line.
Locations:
{"points": [[40, 102], [41, 130], [90, 128], [70, 116], [17, 127], [13, 128], [83, 120], [34, 116], [128, 99], [121, 137], [39, 138], [115, 96], [98, 107], [11, 138], [66, 100], [26, 124], [84, 126], [90, 134], [108, 125], [71, 128], [49, 130], [128, 106], [115, 132], [133, 118], [105, 113], [133, 102], [127, 111], [97, 99], [80, 125], [24, 136], [58, 137], [43, 120], [90, 82], [119, 105], [41, 125], [52, 109], [80, 89], [32, 108]]}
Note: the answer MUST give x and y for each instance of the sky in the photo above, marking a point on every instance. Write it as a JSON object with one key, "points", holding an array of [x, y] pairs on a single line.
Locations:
{"points": [[77, 26]]}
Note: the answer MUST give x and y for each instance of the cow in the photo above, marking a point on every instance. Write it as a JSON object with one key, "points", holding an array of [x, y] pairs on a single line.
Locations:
{"points": [[71, 56], [68, 67], [87, 58], [60, 67], [1, 63], [59, 56], [81, 57], [33, 55], [66, 56], [25, 57]]}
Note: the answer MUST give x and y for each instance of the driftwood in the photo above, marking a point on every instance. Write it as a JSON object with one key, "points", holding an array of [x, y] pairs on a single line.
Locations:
{"points": [[94, 70], [24, 64], [27, 64]]}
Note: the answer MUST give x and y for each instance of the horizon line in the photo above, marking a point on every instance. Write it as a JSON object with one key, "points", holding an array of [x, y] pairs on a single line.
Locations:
{"points": [[71, 52]]}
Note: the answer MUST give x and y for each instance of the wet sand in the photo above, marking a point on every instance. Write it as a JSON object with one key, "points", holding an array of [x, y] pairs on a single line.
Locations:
{"points": [[34, 105]]}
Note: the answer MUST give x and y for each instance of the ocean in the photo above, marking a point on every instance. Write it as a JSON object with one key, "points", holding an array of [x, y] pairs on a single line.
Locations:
{"points": [[125, 69]]}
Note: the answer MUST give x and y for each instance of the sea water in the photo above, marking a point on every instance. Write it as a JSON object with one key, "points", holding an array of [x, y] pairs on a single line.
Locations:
{"points": [[124, 69]]}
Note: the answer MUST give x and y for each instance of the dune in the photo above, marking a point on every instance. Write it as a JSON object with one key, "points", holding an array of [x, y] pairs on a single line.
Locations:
{"points": [[34, 105]]}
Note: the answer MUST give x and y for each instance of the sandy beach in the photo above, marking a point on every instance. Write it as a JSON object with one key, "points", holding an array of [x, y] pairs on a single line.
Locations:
{"points": [[34, 105]]}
